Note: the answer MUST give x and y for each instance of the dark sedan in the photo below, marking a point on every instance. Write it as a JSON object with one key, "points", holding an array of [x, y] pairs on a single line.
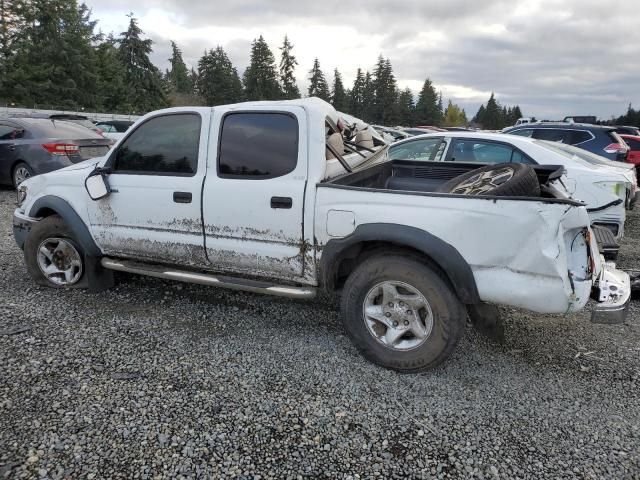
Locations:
{"points": [[31, 146]]}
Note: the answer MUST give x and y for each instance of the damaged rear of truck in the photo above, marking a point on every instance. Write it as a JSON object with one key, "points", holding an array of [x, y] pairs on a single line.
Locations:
{"points": [[290, 198]]}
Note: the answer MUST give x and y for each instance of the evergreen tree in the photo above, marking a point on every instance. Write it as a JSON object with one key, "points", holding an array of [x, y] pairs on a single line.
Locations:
{"points": [[454, 116], [479, 118], [260, 78], [339, 96], [178, 76], [318, 86], [356, 96], [386, 93], [405, 108], [369, 98], [493, 115], [218, 80], [52, 61], [111, 91], [288, 64], [12, 21], [142, 78], [428, 111]]}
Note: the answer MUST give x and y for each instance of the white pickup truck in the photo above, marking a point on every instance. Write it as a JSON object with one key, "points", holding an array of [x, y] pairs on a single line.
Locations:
{"points": [[255, 197]]}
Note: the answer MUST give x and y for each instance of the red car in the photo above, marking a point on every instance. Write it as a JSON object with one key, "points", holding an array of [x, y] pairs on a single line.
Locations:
{"points": [[634, 154]]}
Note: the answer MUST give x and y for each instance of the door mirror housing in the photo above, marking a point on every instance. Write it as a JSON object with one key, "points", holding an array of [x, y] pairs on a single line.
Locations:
{"points": [[97, 184]]}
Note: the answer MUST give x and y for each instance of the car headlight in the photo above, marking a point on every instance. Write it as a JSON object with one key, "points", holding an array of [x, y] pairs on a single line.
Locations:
{"points": [[21, 194], [619, 189]]}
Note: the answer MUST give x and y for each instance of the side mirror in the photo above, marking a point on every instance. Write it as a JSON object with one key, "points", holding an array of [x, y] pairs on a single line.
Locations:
{"points": [[97, 185]]}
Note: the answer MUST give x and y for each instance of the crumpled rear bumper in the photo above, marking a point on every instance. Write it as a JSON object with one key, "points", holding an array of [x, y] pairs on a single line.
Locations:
{"points": [[613, 293]]}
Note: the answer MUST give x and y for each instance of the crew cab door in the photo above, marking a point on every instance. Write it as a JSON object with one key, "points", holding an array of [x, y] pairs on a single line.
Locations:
{"points": [[254, 192], [153, 212]]}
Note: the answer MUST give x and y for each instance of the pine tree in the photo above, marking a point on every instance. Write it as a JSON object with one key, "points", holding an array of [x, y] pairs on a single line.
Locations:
{"points": [[386, 93], [493, 115], [318, 86], [110, 91], [260, 78], [406, 108], [52, 61], [12, 21], [178, 76], [369, 98], [356, 97], [142, 78], [479, 118], [218, 80], [339, 97], [428, 111], [288, 64]]}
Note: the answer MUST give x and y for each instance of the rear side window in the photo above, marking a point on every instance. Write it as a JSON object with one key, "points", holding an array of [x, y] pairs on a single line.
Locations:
{"points": [[579, 136], [552, 135], [258, 145], [9, 132], [166, 145], [482, 152]]}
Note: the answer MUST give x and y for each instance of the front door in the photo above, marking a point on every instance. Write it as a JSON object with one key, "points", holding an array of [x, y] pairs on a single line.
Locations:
{"points": [[254, 193], [153, 211]]}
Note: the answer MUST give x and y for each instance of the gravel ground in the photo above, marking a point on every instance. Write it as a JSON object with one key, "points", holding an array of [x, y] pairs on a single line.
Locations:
{"points": [[158, 379]]}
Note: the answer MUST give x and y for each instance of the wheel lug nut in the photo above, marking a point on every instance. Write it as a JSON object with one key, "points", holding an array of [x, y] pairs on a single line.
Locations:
{"points": [[406, 323], [409, 312], [402, 304], [387, 315], [390, 304], [395, 324]]}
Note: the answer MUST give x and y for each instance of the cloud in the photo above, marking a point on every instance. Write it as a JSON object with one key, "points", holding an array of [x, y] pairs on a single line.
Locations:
{"points": [[552, 57]]}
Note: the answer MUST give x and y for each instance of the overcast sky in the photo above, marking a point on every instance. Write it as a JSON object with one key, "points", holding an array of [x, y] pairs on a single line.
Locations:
{"points": [[552, 57]]}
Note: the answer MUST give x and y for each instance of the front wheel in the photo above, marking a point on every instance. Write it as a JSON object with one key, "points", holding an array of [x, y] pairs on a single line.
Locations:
{"points": [[401, 314], [52, 255], [21, 172]]}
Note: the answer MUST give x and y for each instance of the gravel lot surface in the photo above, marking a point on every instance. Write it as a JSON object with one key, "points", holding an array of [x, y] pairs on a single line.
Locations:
{"points": [[158, 379]]}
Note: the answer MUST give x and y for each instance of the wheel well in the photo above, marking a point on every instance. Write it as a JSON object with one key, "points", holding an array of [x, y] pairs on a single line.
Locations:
{"points": [[353, 256], [44, 212]]}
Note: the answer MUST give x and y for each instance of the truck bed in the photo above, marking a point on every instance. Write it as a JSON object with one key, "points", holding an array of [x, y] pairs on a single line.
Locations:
{"points": [[427, 177]]}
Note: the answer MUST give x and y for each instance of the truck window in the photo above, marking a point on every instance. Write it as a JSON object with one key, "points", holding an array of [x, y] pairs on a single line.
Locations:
{"points": [[258, 146], [164, 145]]}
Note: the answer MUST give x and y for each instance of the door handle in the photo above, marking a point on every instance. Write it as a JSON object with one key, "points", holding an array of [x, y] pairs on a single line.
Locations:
{"points": [[281, 202], [12, 147], [182, 197]]}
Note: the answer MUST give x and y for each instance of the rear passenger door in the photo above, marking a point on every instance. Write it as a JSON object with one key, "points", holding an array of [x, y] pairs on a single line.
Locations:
{"points": [[254, 192], [9, 133]]}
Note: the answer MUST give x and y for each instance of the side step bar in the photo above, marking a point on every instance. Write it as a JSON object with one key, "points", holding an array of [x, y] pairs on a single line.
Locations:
{"points": [[168, 273]]}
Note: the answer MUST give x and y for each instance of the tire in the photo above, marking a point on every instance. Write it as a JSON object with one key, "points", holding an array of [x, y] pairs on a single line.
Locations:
{"points": [[20, 172], [410, 353], [64, 254], [523, 182]]}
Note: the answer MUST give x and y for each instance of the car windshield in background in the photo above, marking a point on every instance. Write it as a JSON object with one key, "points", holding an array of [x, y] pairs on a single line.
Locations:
{"points": [[60, 129]]}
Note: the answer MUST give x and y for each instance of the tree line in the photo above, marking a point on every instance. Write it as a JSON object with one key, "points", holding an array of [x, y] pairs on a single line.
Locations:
{"points": [[51, 55]]}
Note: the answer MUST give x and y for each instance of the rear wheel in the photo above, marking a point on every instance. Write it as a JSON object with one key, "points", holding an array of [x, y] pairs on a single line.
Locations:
{"points": [[21, 172], [401, 314], [52, 255]]}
